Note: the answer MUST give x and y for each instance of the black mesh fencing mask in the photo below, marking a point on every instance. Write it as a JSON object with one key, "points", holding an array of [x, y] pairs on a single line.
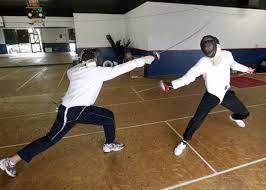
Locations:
{"points": [[93, 55], [208, 45]]}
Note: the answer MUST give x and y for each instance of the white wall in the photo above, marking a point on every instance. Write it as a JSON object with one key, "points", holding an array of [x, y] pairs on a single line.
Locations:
{"points": [[137, 27], [91, 29], [159, 25], [24, 22], [2, 38], [52, 35]]}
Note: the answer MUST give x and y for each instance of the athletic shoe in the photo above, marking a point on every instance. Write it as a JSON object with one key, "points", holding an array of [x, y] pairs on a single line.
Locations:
{"points": [[109, 147], [8, 167], [239, 122], [179, 149]]}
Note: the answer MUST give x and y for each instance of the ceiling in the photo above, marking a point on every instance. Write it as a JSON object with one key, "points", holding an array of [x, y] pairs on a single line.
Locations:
{"points": [[67, 7]]}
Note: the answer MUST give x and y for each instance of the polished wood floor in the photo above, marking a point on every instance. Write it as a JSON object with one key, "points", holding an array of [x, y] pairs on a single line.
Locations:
{"points": [[221, 156]]}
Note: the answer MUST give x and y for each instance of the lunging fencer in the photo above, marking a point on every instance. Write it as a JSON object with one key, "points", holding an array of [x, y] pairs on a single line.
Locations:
{"points": [[86, 80], [215, 68]]}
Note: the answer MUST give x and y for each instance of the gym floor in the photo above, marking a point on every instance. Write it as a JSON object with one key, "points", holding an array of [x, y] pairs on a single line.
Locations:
{"points": [[149, 122]]}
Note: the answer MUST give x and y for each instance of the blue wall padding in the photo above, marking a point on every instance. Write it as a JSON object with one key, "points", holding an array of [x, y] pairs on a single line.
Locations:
{"points": [[178, 62]]}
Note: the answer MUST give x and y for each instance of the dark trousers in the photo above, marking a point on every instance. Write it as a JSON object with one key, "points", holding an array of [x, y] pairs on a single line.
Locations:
{"points": [[65, 120], [207, 103]]}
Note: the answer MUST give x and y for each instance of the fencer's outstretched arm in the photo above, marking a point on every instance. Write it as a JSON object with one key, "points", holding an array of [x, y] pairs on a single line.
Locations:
{"points": [[190, 76], [112, 72], [239, 67]]}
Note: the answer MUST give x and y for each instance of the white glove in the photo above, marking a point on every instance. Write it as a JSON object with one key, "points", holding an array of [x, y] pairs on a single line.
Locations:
{"points": [[148, 59], [251, 71]]}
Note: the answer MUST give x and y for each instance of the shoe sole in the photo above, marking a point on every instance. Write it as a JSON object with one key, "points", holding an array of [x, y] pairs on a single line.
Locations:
{"points": [[7, 172]]}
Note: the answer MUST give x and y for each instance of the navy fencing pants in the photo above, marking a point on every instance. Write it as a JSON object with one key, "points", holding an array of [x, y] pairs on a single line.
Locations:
{"points": [[210, 101], [65, 120]]}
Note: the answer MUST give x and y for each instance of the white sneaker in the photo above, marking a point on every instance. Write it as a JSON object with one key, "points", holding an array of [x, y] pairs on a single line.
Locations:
{"points": [[239, 122], [9, 168], [113, 147], [179, 149]]}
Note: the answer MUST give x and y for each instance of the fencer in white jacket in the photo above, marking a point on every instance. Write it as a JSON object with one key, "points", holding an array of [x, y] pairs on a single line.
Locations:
{"points": [[86, 80], [215, 68]]}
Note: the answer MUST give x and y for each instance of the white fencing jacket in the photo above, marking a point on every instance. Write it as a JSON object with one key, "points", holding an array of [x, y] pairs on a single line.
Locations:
{"points": [[217, 77], [86, 80]]}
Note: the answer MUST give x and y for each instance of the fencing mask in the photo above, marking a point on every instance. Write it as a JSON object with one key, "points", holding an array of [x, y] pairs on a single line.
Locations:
{"points": [[92, 55], [210, 46]]}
